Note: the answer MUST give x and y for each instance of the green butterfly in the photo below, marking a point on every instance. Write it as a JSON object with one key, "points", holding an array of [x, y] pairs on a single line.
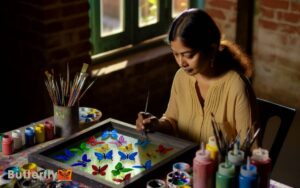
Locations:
{"points": [[120, 168], [81, 148]]}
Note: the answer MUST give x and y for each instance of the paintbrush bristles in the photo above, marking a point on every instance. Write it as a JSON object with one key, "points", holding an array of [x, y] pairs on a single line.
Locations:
{"points": [[66, 92]]}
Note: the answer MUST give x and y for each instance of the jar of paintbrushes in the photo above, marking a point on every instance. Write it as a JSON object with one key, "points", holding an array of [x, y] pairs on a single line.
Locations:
{"points": [[65, 95]]}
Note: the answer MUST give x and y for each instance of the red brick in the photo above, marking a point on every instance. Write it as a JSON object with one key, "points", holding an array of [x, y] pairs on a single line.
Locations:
{"points": [[268, 24], [267, 13], [59, 54], [52, 14], [74, 9], [84, 34], [79, 60], [295, 6], [80, 48], [77, 22], [277, 4], [223, 4], [53, 41], [291, 17], [41, 2], [215, 13], [54, 27], [286, 28]]}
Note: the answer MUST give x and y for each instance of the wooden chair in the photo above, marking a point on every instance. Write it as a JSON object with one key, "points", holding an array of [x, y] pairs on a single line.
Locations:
{"points": [[286, 114]]}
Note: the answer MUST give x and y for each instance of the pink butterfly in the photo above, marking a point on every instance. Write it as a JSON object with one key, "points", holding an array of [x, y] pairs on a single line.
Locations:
{"points": [[119, 142]]}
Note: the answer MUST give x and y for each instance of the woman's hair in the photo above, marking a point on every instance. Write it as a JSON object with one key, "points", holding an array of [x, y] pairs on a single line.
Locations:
{"points": [[197, 30]]}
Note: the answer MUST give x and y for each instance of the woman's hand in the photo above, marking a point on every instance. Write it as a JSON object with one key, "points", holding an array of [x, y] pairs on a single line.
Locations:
{"points": [[146, 122]]}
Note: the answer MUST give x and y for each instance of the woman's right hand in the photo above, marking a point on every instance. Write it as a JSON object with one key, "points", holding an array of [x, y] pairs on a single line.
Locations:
{"points": [[146, 122]]}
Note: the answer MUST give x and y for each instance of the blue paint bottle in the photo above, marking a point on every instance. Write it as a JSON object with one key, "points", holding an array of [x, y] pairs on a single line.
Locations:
{"points": [[29, 136], [248, 176]]}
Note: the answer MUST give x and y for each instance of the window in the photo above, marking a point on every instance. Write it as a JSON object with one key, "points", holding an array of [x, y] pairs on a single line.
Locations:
{"points": [[118, 23]]}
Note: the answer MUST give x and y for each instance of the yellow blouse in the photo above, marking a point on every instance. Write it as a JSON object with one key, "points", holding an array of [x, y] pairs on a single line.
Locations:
{"points": [[230, 98]]}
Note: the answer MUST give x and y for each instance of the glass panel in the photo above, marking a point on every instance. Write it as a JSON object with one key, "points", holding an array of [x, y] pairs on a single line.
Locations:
{"points": [[111, 17], [148, 12], [178, 6]]}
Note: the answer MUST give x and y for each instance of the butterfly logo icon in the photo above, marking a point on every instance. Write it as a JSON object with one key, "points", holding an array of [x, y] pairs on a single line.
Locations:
{"points": [[93, 142], [120, 168], [113, 134], [145, 166], [126, 149], [64, 175], [68, 154], [124, 156], [102, 156], [124, 179], [99, 170], [103, 148], [82, 162], [163, 150], [119, 142]]}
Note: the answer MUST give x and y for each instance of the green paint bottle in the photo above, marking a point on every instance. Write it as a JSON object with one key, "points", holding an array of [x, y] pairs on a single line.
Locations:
{"points": [[225, 175]]}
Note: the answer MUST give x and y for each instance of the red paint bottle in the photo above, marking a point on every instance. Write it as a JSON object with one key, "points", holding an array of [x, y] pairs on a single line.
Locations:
{"points": [[49, 130], [7, 145], [260, 158], [203, 169]]}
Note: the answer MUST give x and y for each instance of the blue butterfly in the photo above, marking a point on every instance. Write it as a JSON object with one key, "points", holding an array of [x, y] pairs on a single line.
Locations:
{"points": [[83, 162], [101, 156], [113, 134], [146, 166], [66, 157], [142, 143], [124, 156]]}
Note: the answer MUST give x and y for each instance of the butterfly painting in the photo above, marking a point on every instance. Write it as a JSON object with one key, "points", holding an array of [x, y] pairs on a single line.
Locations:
{"points": [[142, 143], [68, 154], [99, 170], [103, 148], [103, 156], [82, 148], [120, 168], [113, 134], [125, 178], [126, 149], [93, 142], [64, 175], [150, 155], [145, 166], [83, 162], [119, 142], [163, 150], [130, 156]]}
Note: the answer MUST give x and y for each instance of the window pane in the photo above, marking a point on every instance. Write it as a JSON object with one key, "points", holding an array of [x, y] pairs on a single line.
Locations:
{"points": [[148, 12], [178, 6], [111, 17]]}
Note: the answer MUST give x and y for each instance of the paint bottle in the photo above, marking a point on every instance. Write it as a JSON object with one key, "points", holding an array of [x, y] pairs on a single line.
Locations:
{"points": [[203, 169], [212, 147], [260, 158], [29, 136], [17, 137], [1, 136], [40, 133], [7, 145], [248, 176], [49, 130], [236, 157], [225, 176]]}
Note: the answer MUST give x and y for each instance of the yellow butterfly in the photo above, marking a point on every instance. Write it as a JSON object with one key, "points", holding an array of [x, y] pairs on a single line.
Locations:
{"points": [[103, 148], [126, 149]]}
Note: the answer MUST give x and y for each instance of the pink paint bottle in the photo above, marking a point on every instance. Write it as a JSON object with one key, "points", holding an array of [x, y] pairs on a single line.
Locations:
{"points": [[203, 169], [260, 158], [7, 145]]}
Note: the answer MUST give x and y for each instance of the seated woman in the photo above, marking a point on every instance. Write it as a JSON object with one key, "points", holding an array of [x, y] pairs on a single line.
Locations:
{"points": [[212, 81]]}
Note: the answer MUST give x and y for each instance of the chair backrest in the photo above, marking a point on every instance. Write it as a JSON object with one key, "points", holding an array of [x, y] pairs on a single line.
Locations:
{"points": [[286, 114]]}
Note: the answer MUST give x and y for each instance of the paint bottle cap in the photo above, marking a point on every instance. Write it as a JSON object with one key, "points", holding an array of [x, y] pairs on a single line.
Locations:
{"points": [[39, 128], [226, 169], [29, 131], [248, 171], [260, 154], [7, 139], [202, 154], [236, 156]]}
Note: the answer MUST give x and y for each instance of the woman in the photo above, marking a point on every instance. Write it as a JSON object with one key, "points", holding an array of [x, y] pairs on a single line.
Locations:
{"points": [[212, 81]]}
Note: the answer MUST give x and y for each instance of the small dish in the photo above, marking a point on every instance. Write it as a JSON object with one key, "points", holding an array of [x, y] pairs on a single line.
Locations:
{"points": [[89, 115]]}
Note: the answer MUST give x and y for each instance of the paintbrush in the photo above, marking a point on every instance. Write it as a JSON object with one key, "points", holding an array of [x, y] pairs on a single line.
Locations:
{"points": [[146, 115]]}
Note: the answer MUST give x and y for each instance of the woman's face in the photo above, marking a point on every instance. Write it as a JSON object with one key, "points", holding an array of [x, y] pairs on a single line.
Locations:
{"points": [[190, 60]]}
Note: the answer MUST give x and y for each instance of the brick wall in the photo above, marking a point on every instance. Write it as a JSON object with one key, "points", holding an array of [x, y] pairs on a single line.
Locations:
{"points": [[224, 13], [40, 34], [276, 51]]}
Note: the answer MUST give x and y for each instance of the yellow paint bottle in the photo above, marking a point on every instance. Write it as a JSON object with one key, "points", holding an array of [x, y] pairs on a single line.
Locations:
{"points": [[211, 146], [40, 133]]}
